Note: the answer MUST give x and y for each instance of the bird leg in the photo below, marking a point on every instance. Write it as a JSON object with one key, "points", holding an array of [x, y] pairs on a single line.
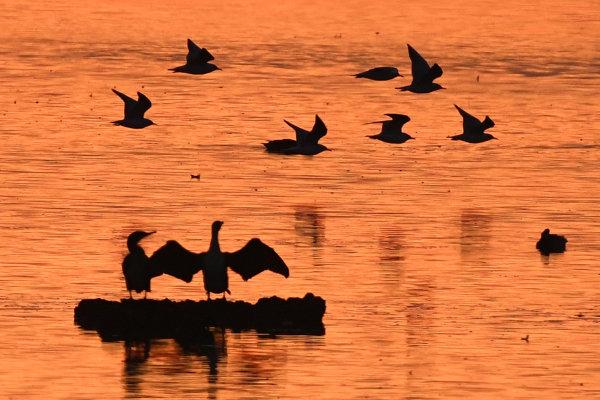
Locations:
{"points": [[145, 293], [130, 295], [208, 294]]}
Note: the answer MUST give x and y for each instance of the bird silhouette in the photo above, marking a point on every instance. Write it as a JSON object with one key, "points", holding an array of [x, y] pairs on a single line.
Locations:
{"points": [[551, 243], [379, 74], [422, 74], [473, 128], [134, 111], [136, 268], [252, 259], [306, 143], [196, 61], [391, 129]]}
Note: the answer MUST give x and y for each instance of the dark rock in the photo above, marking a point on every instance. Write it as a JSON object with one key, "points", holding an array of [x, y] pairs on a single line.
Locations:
{"points": [[143, 319]]}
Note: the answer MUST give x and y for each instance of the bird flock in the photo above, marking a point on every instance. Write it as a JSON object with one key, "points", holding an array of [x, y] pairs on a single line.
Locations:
{"points": [[255, 257]]}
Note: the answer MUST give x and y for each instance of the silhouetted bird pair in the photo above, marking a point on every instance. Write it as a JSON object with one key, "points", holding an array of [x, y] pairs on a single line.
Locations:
{"points": [[423, 75], [175, 260], [197, 63], [473, 128]]}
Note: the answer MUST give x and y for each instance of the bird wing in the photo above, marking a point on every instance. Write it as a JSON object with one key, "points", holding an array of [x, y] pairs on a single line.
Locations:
{"points": [[317, 132], [471, 125], [254, 258], [142, 105], [420, 68], [197, 54], [130, 104], [399, 119], [175, 260], [301, 134]]}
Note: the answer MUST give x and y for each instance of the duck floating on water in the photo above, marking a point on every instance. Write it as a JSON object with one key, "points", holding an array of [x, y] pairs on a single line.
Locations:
{"points": [[422, 74], [136, 268], [252, 259], [391, 130], [473, 128], [306, 143], [551, 243], [134, 111], [197, 61], [379, 74]]}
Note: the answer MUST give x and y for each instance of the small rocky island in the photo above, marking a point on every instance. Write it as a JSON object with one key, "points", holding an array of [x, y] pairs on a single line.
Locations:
{"points": [[144, 319]]}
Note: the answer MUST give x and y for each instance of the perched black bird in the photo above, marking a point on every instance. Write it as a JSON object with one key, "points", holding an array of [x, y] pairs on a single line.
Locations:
{"points": [[379, 74], [551, 243], [252, 259], [391, 129], [196, 61], [473, 128], [306, 143], [422, 74], [134, 111], [136, 268]]}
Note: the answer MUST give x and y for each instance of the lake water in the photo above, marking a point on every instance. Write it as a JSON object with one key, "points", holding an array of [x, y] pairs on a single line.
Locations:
{"points": [[425, 252]]}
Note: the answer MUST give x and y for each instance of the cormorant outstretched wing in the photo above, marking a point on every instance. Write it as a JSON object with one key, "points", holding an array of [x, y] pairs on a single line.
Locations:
{"points": [[134, 108], [254, 258], [175, 260]]}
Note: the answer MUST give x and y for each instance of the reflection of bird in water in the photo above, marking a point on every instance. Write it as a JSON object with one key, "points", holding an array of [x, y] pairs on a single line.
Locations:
{"points": [[205, 343], [196, 61], [306, 143], [391, 130], [309, 223], [250, 260], [379, 74], [551, 243], [473, 128], [422, 74], [135, 265], [134, 111]]}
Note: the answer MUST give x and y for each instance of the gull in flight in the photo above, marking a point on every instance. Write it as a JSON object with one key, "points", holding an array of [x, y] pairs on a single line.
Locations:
{"points": [[422, 74], [196, 61], [473, 128]]}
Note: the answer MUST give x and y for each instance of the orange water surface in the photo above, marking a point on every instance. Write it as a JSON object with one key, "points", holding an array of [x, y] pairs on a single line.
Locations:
{"points": [[425, 252]]}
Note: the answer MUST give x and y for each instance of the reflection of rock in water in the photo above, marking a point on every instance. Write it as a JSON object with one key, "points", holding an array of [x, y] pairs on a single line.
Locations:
{"points": [[475, 231], [309, 224]]}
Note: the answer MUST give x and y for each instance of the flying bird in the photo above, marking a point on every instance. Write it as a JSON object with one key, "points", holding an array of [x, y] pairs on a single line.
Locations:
{"points": [[136, 268], [134, 111], [306, 143], [252, 259], [473, 128], [551, 243], [391, 129], [422, 74], [196, 61], [379, 74]]}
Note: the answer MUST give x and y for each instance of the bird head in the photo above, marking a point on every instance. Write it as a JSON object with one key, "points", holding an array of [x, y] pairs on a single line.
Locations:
{"points": [[216, 226], [546, 232], [134, 238]]}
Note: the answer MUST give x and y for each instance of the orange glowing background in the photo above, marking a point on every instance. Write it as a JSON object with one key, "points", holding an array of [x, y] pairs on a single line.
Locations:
{"points": [[425, 252]]}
